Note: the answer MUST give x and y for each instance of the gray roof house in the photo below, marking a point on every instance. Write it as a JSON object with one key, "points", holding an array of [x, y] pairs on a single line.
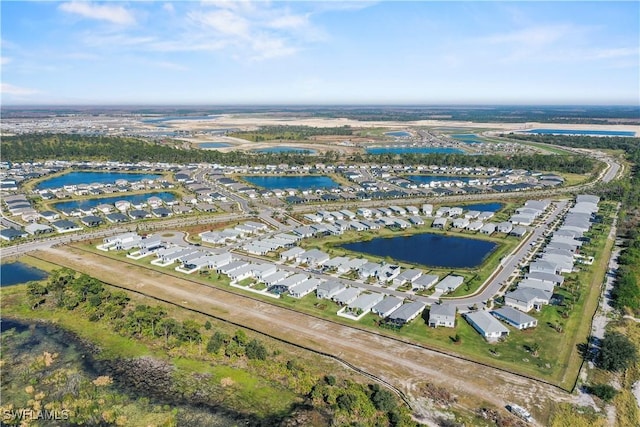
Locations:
{"points": [[425, 281], [315, 257], [406, 313], [536, 284], [364, 303], [410, 275], [442, 315], [556, 279], [329, 289], [387, 306], [504, 227], [346, 296], [486, 325], [525, 299], [304, 288], [515, 318], [292, 253], [450, 283]]}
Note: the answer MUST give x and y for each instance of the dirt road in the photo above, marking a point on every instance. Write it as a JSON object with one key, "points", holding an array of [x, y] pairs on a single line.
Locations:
{"points": [[403, 365]]}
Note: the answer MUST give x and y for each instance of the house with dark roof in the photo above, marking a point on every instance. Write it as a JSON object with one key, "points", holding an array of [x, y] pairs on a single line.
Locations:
{"points": [[91, 220], [406, 313]]}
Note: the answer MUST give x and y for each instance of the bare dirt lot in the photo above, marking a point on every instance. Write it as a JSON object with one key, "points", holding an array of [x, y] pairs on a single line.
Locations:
{"points": [[406, 366]]}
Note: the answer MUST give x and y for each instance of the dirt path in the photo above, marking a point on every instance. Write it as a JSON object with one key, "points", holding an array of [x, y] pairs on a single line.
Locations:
{"points": [[404, 365]]}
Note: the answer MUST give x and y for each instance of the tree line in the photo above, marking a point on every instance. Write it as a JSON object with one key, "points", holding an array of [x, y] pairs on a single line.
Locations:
{"points": [[290, 133], [37, 147]]}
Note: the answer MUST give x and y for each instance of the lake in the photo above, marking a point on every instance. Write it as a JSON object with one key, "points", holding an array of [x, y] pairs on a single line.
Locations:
{"points": [[284, 149], [483, 207], [133, 198], [298, 182], [213, 144], [398, 134], [467, 138], [75, 178], [428, 179], [581, 132], [413, 150], [15, 273], [172, 118], [433, 250]]}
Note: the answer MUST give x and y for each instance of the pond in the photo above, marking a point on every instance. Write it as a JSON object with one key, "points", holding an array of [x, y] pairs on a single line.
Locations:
{"points": [[413, 150], [581, 132], [16, 273], [483, 207], [305, 182], [133, 199], [398, 134], [432, 250], [75, 178], [467, 138], [283, 149], [213, 144]]}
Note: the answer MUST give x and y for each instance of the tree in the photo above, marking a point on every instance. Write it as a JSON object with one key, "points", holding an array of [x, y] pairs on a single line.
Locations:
{"points": [[616, 352], [535, 348], [167, 327], [36, 294], [347, 401], [603, 391], [255, 350], [207, 325], [216, 342], [382, 399]]}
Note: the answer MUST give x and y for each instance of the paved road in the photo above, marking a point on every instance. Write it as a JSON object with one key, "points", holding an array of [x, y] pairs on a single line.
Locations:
{"points": [[510, 263]]}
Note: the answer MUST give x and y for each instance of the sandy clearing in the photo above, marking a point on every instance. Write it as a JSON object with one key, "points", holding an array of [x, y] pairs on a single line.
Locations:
{"points": [[252, 121], [397, 363]]}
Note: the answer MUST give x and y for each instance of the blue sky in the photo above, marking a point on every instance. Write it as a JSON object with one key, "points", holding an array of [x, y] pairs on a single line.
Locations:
{"points": [[244, 52]]}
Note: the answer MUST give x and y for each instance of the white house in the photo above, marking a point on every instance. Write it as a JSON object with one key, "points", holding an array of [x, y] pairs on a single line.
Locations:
{"points": [[486, 325], [442, 315]]}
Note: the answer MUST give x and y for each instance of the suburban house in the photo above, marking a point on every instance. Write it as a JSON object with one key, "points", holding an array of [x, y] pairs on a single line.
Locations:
{"points": [[486, 325], [450, 283], [328, 290], [314, 257], [346, 296], [427, 210], [504, 227], [442, 315], [364, 303], [489, 228], [515, 318], [304, 288], [556, 279], [406, 313], [536, 284], [526, 299], [439, 222], [387, 306], [65, 226], [410, 275], [292, 253], [425, 281]]}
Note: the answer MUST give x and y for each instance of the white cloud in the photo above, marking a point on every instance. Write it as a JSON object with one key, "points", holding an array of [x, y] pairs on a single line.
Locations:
{"points": [[225, 22], [9, 89], [531, 36], [168, 7], [102, 12], [4, 60]]}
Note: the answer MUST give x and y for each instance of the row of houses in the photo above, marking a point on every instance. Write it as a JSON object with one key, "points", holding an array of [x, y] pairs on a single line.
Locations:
{"points": [[237, 233], [536, 289]]}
